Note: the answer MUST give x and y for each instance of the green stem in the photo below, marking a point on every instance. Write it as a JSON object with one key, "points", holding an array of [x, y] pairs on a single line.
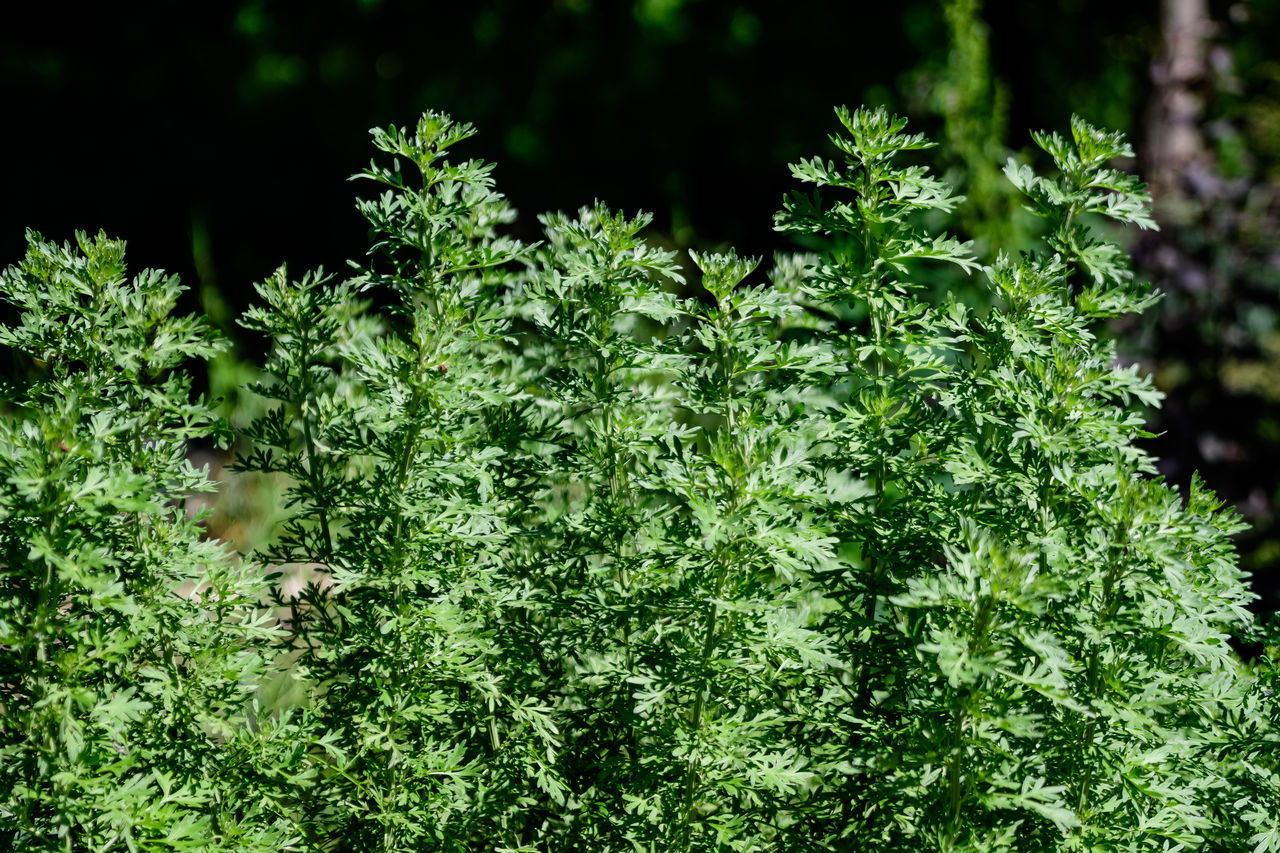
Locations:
{"points": [[725, 365], [395, 780], [955, 770], [872, 547], [1108, 606], [699, 705], [313, 465]]}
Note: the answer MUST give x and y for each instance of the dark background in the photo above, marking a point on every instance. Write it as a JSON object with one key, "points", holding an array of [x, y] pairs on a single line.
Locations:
{"points": [[242, 119], [216, 137]]}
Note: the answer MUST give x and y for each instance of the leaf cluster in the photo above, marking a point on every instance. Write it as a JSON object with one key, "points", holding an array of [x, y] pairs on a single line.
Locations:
{"points": [[603, 560]]}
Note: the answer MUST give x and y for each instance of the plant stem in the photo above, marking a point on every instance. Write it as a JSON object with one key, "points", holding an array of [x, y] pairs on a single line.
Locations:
{"points": [[726, 369], [313, 465], [1110, 602]]}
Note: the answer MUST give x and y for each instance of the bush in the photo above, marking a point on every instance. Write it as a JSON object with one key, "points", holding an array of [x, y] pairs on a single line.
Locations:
{"points": [[129, 645], [799, 562]]}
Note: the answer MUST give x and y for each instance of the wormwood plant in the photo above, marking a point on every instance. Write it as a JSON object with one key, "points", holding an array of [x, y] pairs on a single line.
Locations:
{"points": [[128, 645], [608, 560], [1041, 625], [389, 426]]}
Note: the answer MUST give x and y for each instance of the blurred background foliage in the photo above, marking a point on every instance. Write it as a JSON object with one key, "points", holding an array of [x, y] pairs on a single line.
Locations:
{"points": [[215, 137]]}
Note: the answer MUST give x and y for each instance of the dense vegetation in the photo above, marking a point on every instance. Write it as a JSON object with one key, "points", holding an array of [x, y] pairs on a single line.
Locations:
{"points": [[577, 559], [213, 136]]}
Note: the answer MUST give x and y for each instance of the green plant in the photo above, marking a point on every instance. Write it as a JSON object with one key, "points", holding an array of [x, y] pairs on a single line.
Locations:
{"points": [[807, 561], [974, 110], [384, 425], [129, 644]]}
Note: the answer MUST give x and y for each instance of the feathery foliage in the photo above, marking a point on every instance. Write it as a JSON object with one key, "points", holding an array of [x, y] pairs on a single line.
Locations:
{"points": [[605, 560], [129, 644]]}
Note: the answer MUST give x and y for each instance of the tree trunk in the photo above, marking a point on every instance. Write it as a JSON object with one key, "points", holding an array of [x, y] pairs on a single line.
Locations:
{"points": [[1174, 141]]}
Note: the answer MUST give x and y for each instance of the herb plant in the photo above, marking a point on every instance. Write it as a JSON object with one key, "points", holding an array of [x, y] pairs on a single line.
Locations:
{"points": [[130, 644], [605, 560]]}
